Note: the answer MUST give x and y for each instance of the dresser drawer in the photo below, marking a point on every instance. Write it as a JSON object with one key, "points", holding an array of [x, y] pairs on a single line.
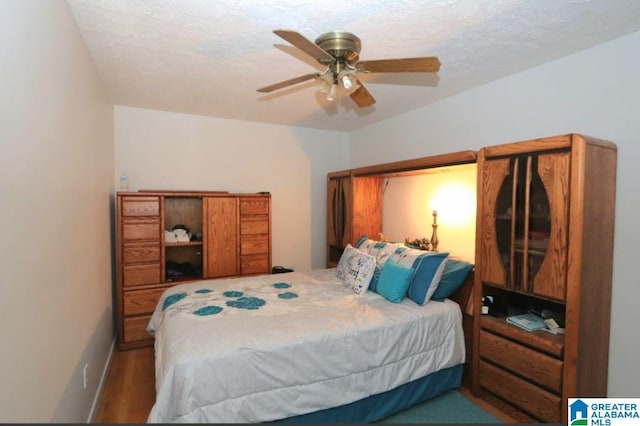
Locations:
{"points": [[141, 229], [533, 365], [520, 393], [254, 264], [254, 225], [133, 275], [249, 206], [254, 244], [140, 206], [141, 301], [135, 329], [140, 252]]}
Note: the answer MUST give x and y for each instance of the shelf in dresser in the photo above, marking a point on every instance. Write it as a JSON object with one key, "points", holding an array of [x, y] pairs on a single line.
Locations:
{"points": [[190, 243]]}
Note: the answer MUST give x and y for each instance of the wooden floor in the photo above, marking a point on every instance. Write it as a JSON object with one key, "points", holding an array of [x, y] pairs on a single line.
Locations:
{"points": [[129, 391]]}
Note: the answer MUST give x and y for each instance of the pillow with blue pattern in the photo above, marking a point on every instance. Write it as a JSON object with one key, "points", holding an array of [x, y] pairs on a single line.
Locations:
{"points": [[428, 268], [381, 250], [356, 268]]}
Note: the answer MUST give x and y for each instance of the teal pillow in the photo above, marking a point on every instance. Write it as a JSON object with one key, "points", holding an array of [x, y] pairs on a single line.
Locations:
{"points": [[428, 267], [455, 272], [394, 281]]}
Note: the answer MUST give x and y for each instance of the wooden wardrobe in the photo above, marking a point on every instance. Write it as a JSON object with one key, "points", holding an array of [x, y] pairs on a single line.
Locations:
{"points": [[544, 244]]}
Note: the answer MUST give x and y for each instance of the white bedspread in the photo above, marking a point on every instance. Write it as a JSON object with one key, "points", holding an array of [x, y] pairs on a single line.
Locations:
{"points": [[274, 346]]}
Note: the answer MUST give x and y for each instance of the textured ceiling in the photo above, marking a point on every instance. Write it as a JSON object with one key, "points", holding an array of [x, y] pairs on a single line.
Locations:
{"points": [[208, 57]]}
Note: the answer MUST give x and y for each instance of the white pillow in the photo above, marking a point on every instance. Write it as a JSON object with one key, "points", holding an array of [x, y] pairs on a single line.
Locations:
{"points": [[381, 250], [356, 269]]}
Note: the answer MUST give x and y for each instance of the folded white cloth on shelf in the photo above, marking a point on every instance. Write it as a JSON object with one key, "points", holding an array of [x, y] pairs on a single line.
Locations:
{"points": [[183, 238], [170, 237], [177, 236]]}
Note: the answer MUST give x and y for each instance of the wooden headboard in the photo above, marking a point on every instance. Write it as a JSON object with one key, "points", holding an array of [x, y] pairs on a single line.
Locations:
{"points": [[464, 295]]}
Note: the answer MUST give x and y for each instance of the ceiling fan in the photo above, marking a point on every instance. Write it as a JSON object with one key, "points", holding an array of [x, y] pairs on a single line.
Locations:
{"points": [[340, 53]]}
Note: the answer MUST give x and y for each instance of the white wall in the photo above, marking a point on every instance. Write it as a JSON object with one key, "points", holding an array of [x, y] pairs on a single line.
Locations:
{"points": [[56, 174], [594, 92], [409, 202], [164, 150]]}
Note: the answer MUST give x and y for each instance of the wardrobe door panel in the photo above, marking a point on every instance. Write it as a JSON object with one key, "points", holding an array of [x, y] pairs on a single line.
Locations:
{"points": [[222, 236], [496, 219]]}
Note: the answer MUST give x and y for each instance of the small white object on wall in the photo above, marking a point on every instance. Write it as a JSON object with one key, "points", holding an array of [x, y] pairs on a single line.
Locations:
{"points": [[124, 182]]}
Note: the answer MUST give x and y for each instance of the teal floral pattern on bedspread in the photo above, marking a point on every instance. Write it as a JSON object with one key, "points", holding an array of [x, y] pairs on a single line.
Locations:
{"points": [[287, 295], [209, 302], [281, 285], [170, 300], [247, 303], [208, 310]]}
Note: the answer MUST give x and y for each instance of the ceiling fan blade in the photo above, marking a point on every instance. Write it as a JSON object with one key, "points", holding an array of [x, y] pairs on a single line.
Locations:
{"points": [[425, 64], [362, 97], [306, 45], [286, 83]]}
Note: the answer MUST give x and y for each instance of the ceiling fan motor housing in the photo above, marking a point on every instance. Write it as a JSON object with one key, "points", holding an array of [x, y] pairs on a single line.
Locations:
{"points": [[343, 46]]}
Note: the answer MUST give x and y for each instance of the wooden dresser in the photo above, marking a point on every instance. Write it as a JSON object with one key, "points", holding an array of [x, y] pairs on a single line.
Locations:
{"points": [[230, 236]]}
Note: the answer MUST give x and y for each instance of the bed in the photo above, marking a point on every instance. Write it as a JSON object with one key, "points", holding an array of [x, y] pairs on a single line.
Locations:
{"points": [[300, 346]]}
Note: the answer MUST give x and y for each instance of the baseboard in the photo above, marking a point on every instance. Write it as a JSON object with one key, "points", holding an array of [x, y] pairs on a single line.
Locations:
{"points": [[101, 384]]}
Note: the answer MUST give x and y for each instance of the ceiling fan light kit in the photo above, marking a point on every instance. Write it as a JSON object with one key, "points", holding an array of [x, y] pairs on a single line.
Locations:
{"points": [[324, 84], [340, 52], [346, 82], [332, 92], [347, 79]]}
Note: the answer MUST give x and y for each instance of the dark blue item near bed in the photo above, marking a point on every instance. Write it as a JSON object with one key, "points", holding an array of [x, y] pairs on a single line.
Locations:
{"points": [[379, 406], [455, 272]]}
